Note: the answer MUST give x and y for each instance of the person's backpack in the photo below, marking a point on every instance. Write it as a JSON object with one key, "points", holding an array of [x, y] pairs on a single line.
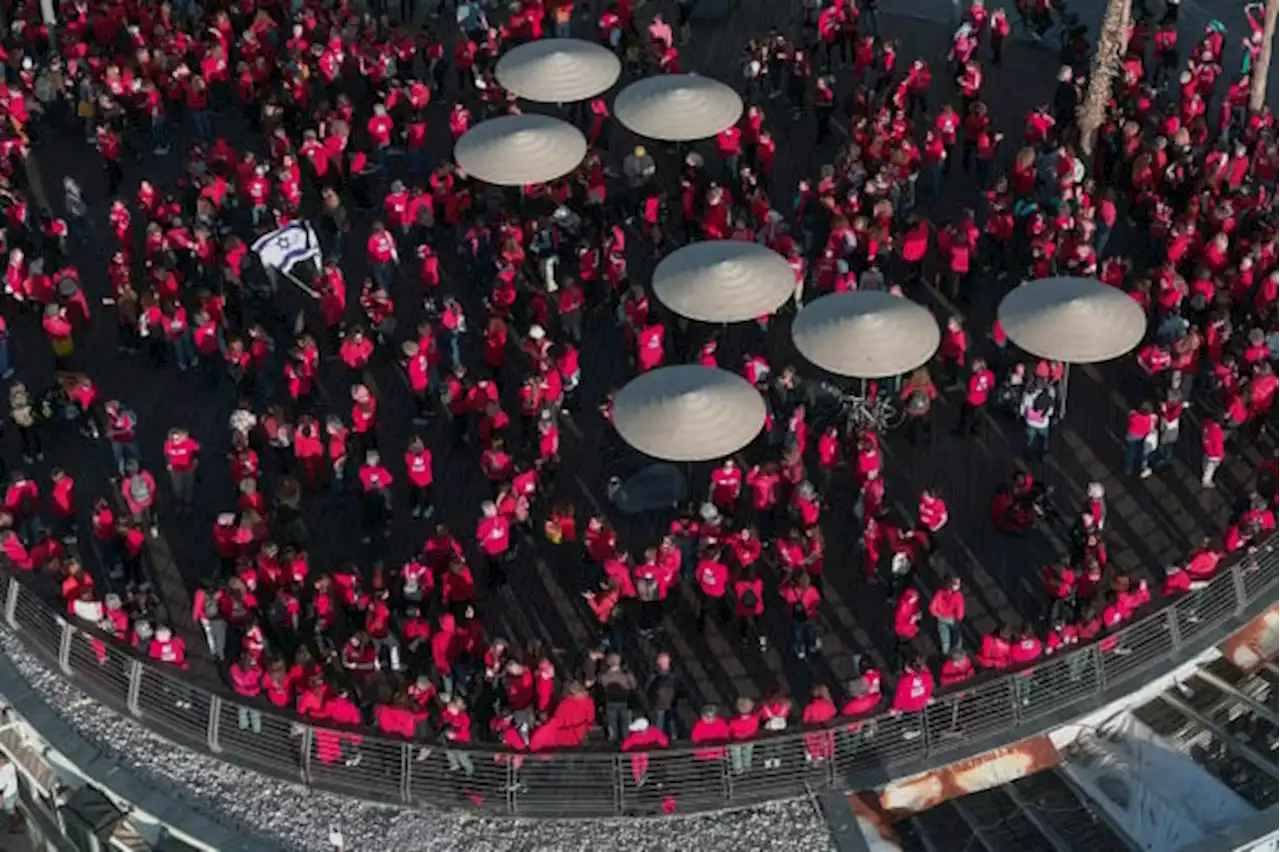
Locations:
{"points": [[917, 402], [139, 490], [749, 599]]}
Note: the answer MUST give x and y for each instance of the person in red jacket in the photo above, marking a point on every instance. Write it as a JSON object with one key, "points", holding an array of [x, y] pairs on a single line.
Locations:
{"points": [[957, 668], [456, 730], [642, 737], [246, 679], [864, 693], [996, 649], [493, 538], [907, 613], [743, 729], [168, 648], [947, 609], [1213, 440], [62, 504], [915, 688], [819, 745], [711, 732]]}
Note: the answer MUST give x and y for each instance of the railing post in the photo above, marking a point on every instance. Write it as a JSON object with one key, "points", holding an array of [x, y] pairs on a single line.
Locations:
{"points": [[11, 604], [1093, 651], [215, 723], [512, 786], [1171, 620], [406, 770], [135, 688], [619, 782], [64, 646], [306, 740], [1237, 585]]}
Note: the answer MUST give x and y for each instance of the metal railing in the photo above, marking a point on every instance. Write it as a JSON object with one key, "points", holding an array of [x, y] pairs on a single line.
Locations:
{"points": [[593, 782]]}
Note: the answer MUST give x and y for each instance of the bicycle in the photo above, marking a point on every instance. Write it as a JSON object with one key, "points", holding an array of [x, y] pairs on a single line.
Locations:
{"points": [[854, 412]]}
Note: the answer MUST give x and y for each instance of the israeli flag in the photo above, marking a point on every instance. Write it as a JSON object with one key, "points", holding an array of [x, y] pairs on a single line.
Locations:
{"points": [[286, 247]]}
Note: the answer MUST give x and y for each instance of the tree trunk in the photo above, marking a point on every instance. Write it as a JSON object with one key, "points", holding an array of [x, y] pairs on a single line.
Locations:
{"points": [[1261, 70], [1112, 43]]}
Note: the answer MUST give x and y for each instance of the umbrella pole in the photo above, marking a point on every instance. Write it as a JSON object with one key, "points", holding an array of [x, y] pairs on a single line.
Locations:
{"points": [[1066, 381]]}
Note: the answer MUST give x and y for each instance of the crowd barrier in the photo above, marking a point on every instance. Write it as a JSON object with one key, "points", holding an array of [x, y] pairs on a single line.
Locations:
{"points": [[592, 782]]}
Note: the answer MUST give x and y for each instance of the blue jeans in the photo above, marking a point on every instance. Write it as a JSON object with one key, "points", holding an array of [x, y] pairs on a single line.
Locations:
{"points": [[384, 274], [948, 636], [184, 351], [6, 363], [160, 131], [1135, 455], [1100, 239], [804, 637], [249, 719], [455, 352], [203, 123], [1037, 440], [123, 452]]}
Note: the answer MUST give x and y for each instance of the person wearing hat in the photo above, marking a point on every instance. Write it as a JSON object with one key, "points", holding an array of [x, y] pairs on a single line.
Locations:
{"points": [[166, 647], [642, 737]]}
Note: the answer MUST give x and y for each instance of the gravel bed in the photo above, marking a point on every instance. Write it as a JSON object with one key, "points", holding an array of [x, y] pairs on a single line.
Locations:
{"points": [[298, 818]]}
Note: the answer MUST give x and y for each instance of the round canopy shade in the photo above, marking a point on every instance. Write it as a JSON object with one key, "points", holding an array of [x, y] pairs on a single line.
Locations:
{"points": [[723, 281], [515, 150], [678, 107], [1074, 320], [867, 334], [558, 70], [688, 413]]}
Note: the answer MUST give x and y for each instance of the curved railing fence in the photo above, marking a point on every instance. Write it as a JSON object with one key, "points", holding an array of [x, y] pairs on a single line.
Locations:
{"points": [[589, 782]]}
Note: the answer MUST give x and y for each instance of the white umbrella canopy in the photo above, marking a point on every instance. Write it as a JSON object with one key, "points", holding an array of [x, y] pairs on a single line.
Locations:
{"points": [[1073, 320], [723, 281], [866, 334], [678, 107], [688, 413], [558, 70], [515, 150]]}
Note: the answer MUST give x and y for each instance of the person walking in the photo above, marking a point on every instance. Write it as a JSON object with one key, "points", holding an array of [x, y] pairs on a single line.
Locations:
{"points": [[947, 609], [181, 458]]}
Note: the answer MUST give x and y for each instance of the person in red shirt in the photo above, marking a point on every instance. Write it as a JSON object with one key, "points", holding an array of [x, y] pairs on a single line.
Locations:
{"points": [[982, 381], [1213, 440], [711, 732], [62, 504], [996, 650], [712, 575], [417, 462], [375, 484], [907, 613], [947, 609], [493, 538], [181, 458], [1140, 439], [956, 669], [915, 688], [642, 737]]}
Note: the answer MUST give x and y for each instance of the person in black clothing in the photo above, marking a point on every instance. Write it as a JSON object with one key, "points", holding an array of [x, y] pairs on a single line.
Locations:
{"points": [[665, 691]]}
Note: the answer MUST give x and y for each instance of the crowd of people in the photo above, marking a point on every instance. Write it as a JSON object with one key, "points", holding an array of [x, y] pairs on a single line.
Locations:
{"points": [[401, 644]]}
